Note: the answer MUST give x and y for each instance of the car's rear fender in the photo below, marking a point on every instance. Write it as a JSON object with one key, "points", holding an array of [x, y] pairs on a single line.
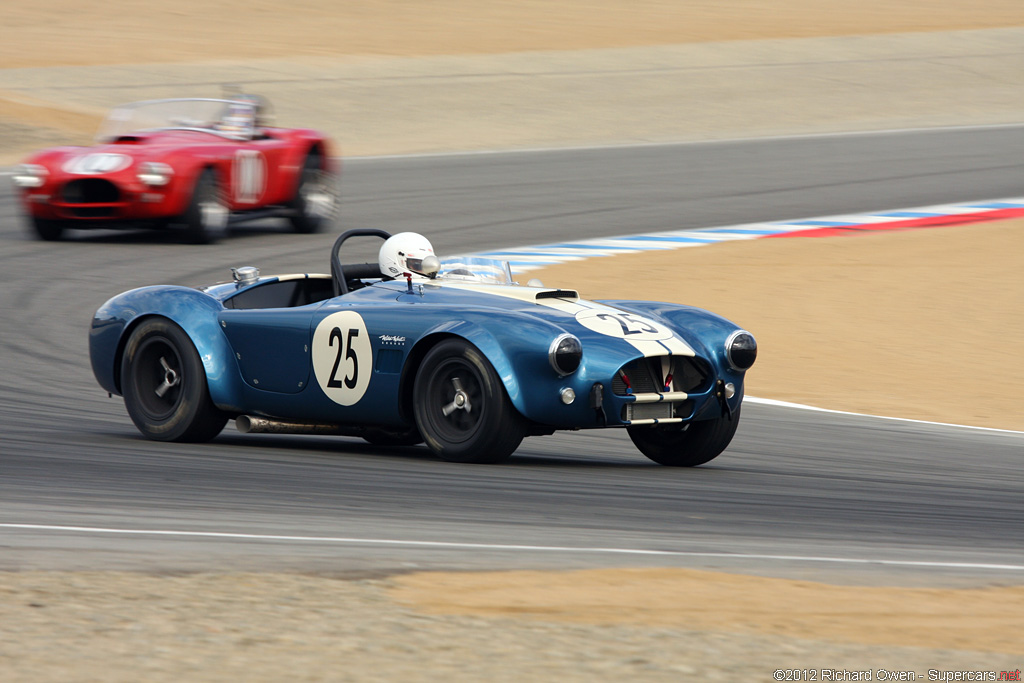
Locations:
{"points": [[192, 310]]}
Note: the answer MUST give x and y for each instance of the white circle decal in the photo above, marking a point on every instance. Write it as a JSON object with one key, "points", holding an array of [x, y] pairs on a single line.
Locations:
{"points": [[250, 175], [96, 163], [628, 326], [342, 357]]}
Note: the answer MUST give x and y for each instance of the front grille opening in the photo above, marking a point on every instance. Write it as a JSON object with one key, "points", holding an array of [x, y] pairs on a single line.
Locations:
{"points": [[647, 375], [91, 191], [632, 412]]}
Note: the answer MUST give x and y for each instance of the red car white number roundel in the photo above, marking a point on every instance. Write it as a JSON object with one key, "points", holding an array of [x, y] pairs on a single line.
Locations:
{"points": [[250, 176], [97, 163]]}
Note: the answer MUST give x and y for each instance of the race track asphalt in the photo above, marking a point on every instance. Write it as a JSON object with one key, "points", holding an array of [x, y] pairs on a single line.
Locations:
{"points": [[794, 485]]}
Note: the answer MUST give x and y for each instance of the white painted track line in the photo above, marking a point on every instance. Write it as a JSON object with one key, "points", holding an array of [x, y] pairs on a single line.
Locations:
{"points": [[801, 406], [521, 548]]}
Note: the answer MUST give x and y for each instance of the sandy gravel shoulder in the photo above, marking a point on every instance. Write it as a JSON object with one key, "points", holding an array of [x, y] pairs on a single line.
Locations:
{"points": [[651, 625], [72, 33]]}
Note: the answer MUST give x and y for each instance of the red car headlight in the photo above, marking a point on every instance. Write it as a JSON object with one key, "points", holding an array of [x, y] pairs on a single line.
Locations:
{"points": [[154, 173], [30, 175]]}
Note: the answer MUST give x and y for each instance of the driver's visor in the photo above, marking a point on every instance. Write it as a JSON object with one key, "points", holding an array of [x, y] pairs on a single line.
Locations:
{"points": [[414, 264]]}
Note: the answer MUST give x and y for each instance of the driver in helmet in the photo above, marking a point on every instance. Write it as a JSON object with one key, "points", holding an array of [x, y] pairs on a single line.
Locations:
{"points": [[407, 254]]}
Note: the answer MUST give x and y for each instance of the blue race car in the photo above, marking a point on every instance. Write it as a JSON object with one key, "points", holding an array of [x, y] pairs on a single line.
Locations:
{"points": [[413, 349]]}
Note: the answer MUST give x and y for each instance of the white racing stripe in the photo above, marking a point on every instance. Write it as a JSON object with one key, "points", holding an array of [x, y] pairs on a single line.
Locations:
{"points": [[649, 347], [509, 547], [666, 342]]}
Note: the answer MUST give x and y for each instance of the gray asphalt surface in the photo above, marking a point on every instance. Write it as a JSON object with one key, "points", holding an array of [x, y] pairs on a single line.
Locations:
{"points": [[793, 483]]}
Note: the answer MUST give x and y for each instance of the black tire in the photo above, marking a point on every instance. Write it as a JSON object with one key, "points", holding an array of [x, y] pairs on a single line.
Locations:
{"points": [[315, 202], [206, 218], [164, 385], [45, 229], [482, 425], [389, 437], [685, 445]]}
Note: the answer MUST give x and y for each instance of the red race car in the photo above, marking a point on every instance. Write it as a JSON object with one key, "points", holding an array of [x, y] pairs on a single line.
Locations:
{"points": [[195, 163]]}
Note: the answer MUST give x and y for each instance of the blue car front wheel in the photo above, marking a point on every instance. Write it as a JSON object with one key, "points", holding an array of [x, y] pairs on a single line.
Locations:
{"points": [[686, 445], [461, 407]]}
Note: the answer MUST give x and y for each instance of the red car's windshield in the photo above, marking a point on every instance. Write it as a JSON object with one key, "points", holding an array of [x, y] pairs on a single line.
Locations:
{"points": [[229, 118]]}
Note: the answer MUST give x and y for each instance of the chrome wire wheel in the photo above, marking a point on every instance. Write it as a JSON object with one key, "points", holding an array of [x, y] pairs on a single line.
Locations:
{"points": [[206, 218], [316, 198], [213, 212], [319, 200]]}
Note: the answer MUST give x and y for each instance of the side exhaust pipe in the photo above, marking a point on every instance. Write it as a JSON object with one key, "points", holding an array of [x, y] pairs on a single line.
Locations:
{"points": [[251, 424]]}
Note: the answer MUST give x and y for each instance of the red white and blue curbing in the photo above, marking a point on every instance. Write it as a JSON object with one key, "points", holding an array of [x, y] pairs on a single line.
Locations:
{"points": [[524, 259]]}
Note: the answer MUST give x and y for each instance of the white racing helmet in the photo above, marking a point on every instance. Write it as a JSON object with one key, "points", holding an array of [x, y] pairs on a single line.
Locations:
{"points": [[405, 253]]}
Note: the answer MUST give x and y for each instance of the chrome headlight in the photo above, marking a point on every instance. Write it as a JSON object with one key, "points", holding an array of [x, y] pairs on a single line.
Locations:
{"points": [[154, 173], [30, 175], [565, 354], [741, 350]]}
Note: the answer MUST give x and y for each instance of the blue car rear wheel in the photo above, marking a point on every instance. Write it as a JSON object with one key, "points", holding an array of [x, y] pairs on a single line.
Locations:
{"points": [[164, 385]]}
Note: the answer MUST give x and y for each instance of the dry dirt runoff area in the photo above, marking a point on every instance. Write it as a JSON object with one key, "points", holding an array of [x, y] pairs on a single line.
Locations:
{"points": [[394, 76]]}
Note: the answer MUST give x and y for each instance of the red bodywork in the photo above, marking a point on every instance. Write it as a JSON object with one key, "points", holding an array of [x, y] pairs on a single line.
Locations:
{"points": [[99, 186]]}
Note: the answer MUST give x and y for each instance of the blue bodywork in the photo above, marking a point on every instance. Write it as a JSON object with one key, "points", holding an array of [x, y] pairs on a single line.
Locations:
{"points": [[259, 344]]}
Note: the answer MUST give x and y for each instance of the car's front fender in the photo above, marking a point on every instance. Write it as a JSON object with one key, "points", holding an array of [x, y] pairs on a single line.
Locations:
{"points": [[705, 332], [516, 347]]}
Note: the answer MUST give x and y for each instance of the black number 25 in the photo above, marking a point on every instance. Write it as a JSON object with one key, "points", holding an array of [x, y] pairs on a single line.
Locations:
{"points": [[350, 382], [625, 320]]}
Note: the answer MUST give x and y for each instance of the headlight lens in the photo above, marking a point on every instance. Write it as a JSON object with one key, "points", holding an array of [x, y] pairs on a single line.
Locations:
{"points": [[565, 354], [155, 174], [30, 175], [741, 349]]}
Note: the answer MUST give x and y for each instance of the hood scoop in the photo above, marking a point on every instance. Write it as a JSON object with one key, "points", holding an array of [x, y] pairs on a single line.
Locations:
{"points": [[558, 294]]}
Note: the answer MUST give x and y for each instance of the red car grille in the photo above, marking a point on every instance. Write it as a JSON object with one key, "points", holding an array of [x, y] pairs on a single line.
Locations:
{"points": [[91, 197]]}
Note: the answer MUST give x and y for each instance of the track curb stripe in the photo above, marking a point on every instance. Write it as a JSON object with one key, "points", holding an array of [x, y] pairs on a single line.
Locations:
{"points": [[527, 258]]}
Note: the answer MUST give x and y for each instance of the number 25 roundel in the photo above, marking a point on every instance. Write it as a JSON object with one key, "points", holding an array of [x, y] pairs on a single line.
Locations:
{"points": [[342, 357]]}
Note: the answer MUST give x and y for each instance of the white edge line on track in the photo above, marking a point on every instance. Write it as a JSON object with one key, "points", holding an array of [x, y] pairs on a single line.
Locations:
{"points": [[801, 406], [528, 548]]}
